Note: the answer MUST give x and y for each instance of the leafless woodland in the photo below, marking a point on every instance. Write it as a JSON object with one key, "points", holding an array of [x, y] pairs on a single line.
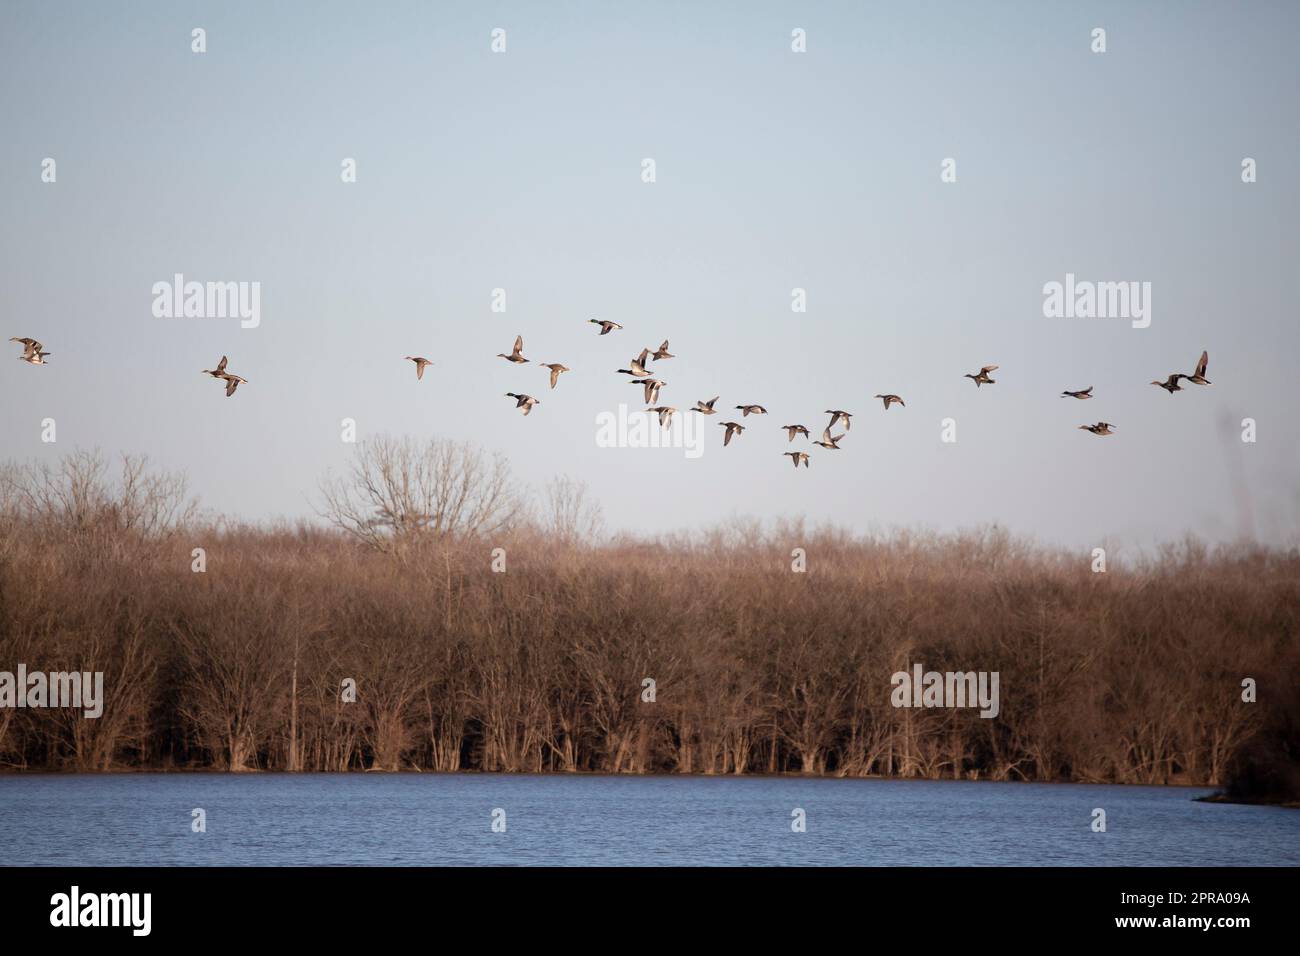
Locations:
{"points": [[1129, 676]]}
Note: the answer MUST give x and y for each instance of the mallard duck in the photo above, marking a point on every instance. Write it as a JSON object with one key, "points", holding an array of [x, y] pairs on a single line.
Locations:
{"points": [[526, 402], [651, 386], [665, 413], [638, 369], [706, 408]]}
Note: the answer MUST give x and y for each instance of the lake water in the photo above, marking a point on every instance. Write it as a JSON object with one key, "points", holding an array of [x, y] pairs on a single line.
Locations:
{"points": [[429, 819]]}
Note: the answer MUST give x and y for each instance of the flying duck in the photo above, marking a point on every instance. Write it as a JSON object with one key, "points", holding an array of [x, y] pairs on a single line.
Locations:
{"points": [[665, 414], [1198, 377], [983, 377], [420, 364], [526, 402], [556, 369], [638, 369], [706, 408], [829, 442], [1101, 428], [652, 386], [836, 416], [517, 355], [219, 371]]}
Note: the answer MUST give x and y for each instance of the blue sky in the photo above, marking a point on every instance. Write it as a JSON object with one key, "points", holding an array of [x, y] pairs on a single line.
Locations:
{"points": [[775, 170]]}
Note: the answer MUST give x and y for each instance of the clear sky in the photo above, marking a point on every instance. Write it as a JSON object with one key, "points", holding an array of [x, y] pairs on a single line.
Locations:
{"points": [[522, 170]]}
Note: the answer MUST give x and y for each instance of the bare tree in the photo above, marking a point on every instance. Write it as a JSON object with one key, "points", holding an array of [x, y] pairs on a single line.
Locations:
{"points": [[572, 515], [78, 495], [399, 492]]}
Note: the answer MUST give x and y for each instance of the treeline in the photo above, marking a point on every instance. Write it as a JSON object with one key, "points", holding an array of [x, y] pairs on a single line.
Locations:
{"points": [[1129, 676]]}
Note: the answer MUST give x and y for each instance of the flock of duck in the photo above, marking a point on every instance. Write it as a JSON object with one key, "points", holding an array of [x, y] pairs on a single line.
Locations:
{"points": [[644, 375]]}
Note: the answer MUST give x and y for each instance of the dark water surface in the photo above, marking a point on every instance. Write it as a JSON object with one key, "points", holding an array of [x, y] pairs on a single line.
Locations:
{"points": [[429, 819]]}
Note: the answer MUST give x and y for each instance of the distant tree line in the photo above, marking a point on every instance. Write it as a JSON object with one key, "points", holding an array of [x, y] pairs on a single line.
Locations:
{"points": [[485, 632]]}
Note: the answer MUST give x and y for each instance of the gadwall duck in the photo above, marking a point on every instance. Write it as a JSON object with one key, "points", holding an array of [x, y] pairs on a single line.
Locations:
{"points": [[517, 354], [556, 369], [983, 377]]}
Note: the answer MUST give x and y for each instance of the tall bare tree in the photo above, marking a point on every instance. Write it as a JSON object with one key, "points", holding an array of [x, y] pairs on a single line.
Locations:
{"points": [[399, 492]]}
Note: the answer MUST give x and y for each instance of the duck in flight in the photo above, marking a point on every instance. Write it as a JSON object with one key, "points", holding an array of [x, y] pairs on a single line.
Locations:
{"points": [[836, 415], [1198, 377], [1170, 384], [526, 402], [747, 410], [983, 377], [1081, 393], [1101, 428], [793, 430], [420, 364], [33, 351], [30, 347], [517, 354], [219, 371], [796, 457], [665, 413], [652, 386], [733, 428], [232, 381], [556, 369], [662, 352], [706, 408], [606, 326], [828, 442], [891, 398], [638, 369]]}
